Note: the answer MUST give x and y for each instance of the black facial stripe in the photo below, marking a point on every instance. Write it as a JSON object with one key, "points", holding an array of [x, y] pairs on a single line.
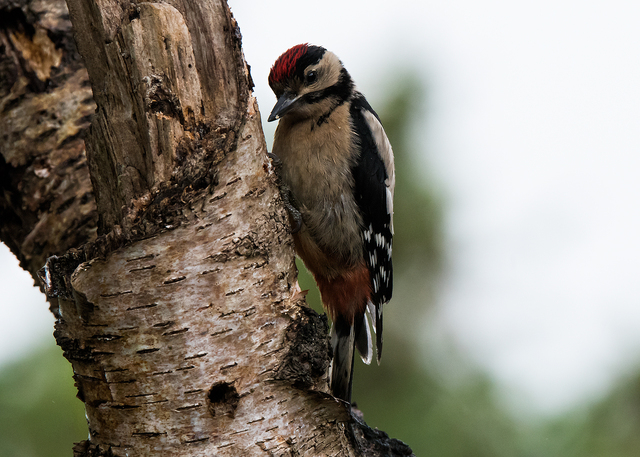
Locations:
{"points": [[325, 117]]}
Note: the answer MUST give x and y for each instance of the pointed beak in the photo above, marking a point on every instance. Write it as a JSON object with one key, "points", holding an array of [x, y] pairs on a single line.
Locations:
{"points": [[283, 105]]}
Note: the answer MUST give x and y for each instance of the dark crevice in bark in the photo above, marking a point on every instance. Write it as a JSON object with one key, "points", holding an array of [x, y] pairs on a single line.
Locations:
{"points": [[306, 361]]}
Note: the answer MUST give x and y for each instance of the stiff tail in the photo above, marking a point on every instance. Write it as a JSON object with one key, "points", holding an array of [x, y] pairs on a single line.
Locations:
{"points": [[344, 339], [375, 311]]}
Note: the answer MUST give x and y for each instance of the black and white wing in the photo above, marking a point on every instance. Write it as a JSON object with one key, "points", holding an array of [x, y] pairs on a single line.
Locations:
{"points": [[374, 182]]}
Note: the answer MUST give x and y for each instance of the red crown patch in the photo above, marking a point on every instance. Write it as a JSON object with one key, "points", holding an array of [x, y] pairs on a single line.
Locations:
{"points": [[285, 65]]}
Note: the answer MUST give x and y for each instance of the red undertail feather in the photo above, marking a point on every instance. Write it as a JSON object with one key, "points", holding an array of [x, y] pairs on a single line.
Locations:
{"points": [[346, 296], [284, 67]]}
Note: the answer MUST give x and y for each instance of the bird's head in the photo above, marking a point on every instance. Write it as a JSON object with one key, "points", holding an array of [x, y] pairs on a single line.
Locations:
{"points": [[307, 80]]}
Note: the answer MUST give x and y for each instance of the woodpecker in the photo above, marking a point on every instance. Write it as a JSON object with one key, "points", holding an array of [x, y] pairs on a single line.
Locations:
{"points": [[337, 177]]}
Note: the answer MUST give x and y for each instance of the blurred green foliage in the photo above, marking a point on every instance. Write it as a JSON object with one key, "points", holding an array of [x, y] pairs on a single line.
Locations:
{"points": [[39, 413], [40, 416], [608, 428], [418, 212]]}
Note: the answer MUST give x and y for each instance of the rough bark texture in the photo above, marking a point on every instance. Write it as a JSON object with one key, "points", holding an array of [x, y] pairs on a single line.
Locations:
{"points": [[47, 204], [182, 316], [179, 339]]}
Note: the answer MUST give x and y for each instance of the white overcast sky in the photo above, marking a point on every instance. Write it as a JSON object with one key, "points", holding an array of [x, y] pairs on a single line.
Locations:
{"points": [[533, 135]]}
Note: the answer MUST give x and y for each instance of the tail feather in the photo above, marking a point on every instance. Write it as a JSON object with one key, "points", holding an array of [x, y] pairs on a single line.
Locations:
{"points": [[343, 344], [379, 333], [363, 339], [375, 311]]}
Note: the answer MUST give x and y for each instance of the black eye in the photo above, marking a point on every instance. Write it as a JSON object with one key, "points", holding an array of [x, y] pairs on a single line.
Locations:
{"points": [[311, 77]]}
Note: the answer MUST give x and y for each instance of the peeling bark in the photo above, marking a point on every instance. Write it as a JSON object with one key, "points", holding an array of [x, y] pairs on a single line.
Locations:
{"points": [[46, 205], [179, 307]]}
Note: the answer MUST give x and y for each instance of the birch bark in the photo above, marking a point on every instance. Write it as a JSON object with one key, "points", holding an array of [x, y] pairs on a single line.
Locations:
{"points": [[175, 287]]}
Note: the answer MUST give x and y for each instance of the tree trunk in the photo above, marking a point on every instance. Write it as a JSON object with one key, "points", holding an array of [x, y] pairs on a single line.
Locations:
{"points": [[182, 316]]}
